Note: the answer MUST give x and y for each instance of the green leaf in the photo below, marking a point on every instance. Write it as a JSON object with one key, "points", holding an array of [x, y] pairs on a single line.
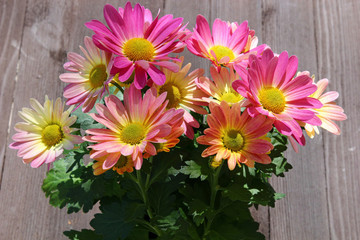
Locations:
{"points": [[116, 219], [162, 163], [168, 223], [234, 222], [162, 200], [84, 120], [88, 189], [57, 183], [262, 193], [177, 226], [279, 196], [199, 211], [196, 170], [85, 234], [138, 234], [238, 191], [78, 188], [279, 164]]}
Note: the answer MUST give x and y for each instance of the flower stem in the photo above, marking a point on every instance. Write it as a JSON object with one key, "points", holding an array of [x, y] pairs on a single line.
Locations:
{"points": [[117, 86], [214, 179], [143, 191], [147, 183]]}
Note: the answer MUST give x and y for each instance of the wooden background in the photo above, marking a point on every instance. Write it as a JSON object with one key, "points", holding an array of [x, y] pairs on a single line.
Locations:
{"points": [[322, 191]]}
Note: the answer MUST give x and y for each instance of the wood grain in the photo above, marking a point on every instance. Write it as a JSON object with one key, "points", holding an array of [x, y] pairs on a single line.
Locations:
{"points": [[322, 191], [337, 25], [11, 26]]}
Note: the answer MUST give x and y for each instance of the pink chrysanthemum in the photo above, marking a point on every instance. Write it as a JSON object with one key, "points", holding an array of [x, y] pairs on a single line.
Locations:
{"points": [[182, 92], [236, 137], [133, 127], [45, 132], [272, 91], [328, 113], [140, 42], [220, 89], [230, 43], [89, 76]]}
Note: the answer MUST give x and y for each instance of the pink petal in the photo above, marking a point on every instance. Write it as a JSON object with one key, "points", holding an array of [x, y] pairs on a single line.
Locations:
{"points": [[140, 78], [156, 75], [111, 160]]}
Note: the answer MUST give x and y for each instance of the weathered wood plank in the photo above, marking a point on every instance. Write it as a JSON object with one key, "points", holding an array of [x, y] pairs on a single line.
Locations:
{"points": [[338, 34], [11, 23], [303, 214], [52, 28]]}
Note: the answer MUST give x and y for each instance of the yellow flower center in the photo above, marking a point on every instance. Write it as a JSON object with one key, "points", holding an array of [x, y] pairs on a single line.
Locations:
{"points": [[231, 97], [123, 160], [272, 99], [133, 133], [98, 76], [233, 140], [52, 135], [139, 49], [174, 95], [221, 51]]}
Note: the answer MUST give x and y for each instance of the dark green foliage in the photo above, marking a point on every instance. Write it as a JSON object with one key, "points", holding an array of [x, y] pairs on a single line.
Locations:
{"points": [[176, 195], [85, 234], [79, 188], [116, 220]]}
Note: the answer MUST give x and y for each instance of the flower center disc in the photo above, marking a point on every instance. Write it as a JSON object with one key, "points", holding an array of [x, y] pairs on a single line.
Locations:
{"points": [[139, 49], [233, 140], [52, 135], [133, 133], [221, 51], [231, 97], [272, 99], [98, 76], [173, 95], [123, 160]]}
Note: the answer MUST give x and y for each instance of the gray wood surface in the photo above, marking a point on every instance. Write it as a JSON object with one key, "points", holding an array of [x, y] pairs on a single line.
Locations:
{"points": [[322, 191]]}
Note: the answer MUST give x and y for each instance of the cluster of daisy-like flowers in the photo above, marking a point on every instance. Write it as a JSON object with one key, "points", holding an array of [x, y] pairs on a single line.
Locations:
{"points": [[251, 91]]}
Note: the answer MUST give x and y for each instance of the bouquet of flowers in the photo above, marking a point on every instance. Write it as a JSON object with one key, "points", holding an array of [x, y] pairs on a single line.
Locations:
{"points": [[173, 154]]}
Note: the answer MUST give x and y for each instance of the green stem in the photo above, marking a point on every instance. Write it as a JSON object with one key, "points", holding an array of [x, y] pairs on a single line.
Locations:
{"points": [[117, 86], [143, 191], [147, 183], [152, 228], [214, 179]]}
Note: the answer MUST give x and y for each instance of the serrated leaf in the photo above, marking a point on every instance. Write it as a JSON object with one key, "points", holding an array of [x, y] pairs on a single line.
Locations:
{"points": [[116, 219], [279, 196], [199, 210], [238, 191], [168, 223], [57, 183], [162, 199], [234, 222], [162, 163], [85, 234], [195, 170], [84, 121], [79, 188]]}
